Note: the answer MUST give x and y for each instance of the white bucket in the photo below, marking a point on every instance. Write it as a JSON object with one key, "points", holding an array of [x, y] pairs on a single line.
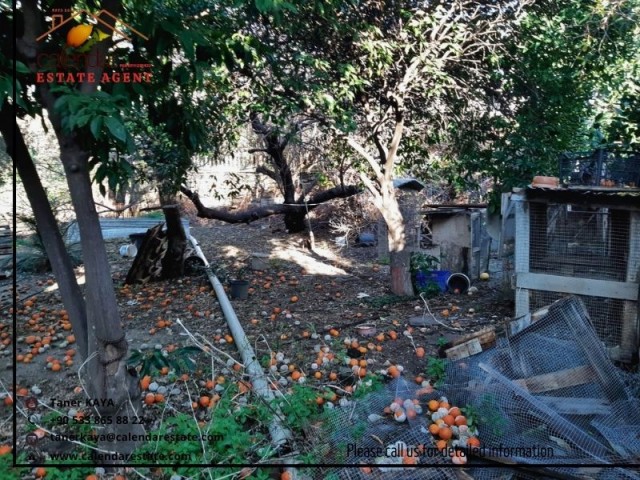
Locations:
{"points": [[128, 250]]}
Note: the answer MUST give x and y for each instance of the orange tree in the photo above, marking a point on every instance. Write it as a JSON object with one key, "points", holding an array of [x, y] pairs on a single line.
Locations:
{"points": [[388, 80], [59, 72]]}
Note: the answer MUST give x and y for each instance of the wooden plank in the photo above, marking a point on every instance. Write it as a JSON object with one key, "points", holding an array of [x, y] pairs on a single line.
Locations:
{"points": [[578, 286], [519, 324], [577, 406], [485, 336], [472, 347], [630, 340], [569, 377]]}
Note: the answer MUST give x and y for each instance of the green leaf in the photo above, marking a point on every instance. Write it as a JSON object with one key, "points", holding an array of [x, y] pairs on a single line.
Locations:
{"points": [[116, 128], [22, 68], [187, 43], [96, 126]]}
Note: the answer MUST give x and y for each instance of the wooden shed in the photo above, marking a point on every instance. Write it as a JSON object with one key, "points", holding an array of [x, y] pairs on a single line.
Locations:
{"points": [[457, 236], [583, 241]]}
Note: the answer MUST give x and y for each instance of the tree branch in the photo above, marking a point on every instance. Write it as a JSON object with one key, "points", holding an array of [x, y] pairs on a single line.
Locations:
{"points": [[256, 213], [375, 166], [269, 173]]}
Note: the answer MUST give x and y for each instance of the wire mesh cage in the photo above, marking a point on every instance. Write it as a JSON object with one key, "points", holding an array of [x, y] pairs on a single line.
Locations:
{"points": [[601, 168], [586, 248], [579, 241]]}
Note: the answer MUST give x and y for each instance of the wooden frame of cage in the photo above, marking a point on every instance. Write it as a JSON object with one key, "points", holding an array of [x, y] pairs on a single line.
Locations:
{"points": [[628, 290]]}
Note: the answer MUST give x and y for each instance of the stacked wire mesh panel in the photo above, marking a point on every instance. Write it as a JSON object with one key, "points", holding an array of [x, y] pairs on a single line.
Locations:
{"points": [[546, 398]]}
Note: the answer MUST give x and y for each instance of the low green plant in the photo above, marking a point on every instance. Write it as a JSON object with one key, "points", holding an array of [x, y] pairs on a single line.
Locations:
{"points": [[299, 409], [442, 341], [436, 370], [9, 472], [485, 415], [369, 383], [382, 300], [147, 362], [423, 264]]}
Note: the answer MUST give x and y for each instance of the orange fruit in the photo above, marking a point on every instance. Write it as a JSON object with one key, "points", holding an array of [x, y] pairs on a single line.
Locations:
{"points": [[333, 376], [445, 433], [159, 398], [393, 371], [434, 429], [286, 476], [294, 299], [433, 405], [420, 352], [56, 367], [409, 459], [8, 400], [204, 401], [145, 382], [449, 420], [295, 375], [319, 400], [164, 370], [318, 375], [366, 470], [333, 332], [445, 405], [40, 472], [441, 444], [5, 449], [460, 420], [91, 477], [473, 442], [149, 399], [454, 411]]}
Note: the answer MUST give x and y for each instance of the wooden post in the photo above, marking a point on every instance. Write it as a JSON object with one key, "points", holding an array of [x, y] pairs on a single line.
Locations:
{"points": [[630, 311], [521, 249]]}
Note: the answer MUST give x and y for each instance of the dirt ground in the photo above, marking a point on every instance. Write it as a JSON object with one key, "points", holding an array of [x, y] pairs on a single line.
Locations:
{"points": [[299, 301]]}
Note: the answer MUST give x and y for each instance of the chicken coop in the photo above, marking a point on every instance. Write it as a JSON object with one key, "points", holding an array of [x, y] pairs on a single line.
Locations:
{"points": [[582, 241], [457, 237]]}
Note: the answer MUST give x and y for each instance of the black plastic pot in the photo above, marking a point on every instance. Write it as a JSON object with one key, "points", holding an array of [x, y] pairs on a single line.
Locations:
{"points": [[458, 283], [239, 289]]}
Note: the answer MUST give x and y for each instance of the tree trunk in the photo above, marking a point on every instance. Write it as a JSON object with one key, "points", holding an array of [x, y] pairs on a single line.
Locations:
{"points": [[173, 260], [401, 273], [107, 376], [51, 238], [399, 254], [295, 222]]}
